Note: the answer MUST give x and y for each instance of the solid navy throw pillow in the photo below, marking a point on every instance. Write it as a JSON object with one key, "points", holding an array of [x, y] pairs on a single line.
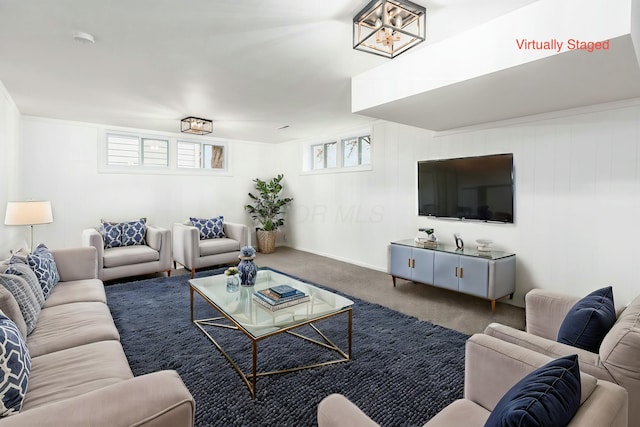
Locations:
{"points": [[589, 320], [548, 396]]}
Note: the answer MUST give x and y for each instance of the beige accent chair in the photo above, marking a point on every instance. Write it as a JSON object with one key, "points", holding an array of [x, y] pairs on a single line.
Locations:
{"points": [[127, 261], [618, 360], [492, 367], [193, 253]]}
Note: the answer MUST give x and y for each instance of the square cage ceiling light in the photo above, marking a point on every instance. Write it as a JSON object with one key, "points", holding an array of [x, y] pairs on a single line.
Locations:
{"points": [[196, 126], [389, 27]]}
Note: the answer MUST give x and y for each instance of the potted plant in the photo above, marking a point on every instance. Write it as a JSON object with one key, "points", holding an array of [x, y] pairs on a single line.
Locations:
{"points": [[267, 211]]}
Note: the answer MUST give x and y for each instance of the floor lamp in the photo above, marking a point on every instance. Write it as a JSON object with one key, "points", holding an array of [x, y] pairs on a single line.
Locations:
{"points": [[28, 213]]}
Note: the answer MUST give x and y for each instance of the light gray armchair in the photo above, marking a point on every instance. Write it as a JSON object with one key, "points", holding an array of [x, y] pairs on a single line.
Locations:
{"points": [[193, 253], [134, 260], [492, 367], [618, 359]]}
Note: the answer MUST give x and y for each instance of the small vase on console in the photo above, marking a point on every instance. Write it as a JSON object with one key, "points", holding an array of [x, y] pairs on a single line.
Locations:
{"points": [[247, 268]]}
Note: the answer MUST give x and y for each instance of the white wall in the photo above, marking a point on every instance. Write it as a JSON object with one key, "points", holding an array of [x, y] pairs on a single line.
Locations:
{"points": [[61, 164], [577, 194], [577, 199], [9, 148]]}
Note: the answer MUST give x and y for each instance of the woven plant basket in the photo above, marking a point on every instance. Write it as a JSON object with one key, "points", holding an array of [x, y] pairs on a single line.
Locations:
{"points": [[266, 241]]}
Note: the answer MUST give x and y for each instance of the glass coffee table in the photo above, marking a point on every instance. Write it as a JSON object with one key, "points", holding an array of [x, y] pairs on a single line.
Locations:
{"points": [[240, 312]]}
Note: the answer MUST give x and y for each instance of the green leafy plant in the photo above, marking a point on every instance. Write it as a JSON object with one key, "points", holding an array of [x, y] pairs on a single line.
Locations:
{"points": [[267, 208]]}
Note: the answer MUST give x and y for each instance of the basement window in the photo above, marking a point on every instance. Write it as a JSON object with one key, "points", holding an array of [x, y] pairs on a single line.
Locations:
{"points": [[197, 155], [349, 152], [356, 151], [324, 155], [136, 151]]}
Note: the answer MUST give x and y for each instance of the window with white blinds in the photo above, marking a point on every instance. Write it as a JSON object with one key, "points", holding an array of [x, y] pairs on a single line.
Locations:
{"points": [[196, 155], [136, 151]]}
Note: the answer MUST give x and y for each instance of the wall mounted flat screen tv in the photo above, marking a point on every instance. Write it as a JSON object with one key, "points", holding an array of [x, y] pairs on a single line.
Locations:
{"points": [[474, 188]]}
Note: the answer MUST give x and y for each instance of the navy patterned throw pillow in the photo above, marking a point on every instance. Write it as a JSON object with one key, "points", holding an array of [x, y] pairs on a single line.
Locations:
{"points": [[111, 234], [133, 232], [15, 363], [44, 266], [117, 234], [210, 228]]}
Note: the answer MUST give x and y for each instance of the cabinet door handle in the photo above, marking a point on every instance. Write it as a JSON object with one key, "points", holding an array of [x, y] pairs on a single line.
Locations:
{"points": [[409, 262], [461, 272], [456, 273], [413, 263]]}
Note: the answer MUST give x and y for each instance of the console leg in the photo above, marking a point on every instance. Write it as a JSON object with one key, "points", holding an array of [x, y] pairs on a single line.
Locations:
{"points": [[394, 280], [493, 305]]}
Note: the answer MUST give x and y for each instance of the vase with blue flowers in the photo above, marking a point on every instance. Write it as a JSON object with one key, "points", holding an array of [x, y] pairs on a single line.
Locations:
{"points": [[247, 268]]}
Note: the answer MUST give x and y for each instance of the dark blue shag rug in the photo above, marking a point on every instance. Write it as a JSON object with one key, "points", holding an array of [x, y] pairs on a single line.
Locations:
{"points": [[403, 371]]}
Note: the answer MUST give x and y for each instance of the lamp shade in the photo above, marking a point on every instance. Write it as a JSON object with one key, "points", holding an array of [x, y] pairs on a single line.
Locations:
{"points": [[28, 213]]}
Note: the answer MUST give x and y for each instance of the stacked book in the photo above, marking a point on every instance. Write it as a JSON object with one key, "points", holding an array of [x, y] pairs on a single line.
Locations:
{"points": [[279, 297]]}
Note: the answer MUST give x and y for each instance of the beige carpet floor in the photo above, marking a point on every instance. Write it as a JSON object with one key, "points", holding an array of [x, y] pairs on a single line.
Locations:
{"points": [[453, 310]]}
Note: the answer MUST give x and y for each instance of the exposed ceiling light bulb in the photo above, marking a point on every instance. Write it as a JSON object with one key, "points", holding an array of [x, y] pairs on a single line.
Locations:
{"points": [[84, 38]]}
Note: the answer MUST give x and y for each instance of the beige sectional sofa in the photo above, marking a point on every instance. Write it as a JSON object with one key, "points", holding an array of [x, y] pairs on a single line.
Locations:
{"points": [[492, 367], [79, 373]]}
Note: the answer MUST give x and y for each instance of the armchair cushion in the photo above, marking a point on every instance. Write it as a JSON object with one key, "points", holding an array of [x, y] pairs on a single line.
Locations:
{"points": [[589, 320], [548, 396], [211, 228], [127, 255], [218, 246]]}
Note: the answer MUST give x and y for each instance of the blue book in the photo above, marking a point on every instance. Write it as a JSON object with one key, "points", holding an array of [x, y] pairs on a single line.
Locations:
{"points": [[284, 290]]}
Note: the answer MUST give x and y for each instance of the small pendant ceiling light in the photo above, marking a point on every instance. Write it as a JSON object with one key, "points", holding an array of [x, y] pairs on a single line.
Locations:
{"points": [[196, 126], [389, 27]]}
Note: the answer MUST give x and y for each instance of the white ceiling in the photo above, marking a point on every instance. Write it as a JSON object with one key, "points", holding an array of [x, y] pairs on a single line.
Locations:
{"points": [[251, 66]]}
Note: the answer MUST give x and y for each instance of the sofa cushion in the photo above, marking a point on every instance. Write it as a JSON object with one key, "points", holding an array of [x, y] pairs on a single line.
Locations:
{"points": [[70, 325], [75, 371], [44, 266], [129, 255], [87, 290], [134, 232], [548, 396], [29, 306], [589, 320], [218, 246], [15, 363], [23, 271], [210, 228]]}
